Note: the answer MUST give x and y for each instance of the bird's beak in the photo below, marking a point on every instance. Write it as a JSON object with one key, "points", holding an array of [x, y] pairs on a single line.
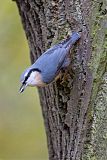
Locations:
{"points": [[22, 88]]}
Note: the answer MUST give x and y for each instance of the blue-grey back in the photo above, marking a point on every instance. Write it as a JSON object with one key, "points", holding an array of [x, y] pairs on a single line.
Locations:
{"points": [[50, 63]]}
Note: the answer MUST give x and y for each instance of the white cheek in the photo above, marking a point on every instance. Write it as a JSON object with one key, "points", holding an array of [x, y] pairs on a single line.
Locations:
{"points": [[31, 80], [32, 83]]}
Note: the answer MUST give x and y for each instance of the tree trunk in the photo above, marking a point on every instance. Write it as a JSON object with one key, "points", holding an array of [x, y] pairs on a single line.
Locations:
{"points": [[74, 110]]}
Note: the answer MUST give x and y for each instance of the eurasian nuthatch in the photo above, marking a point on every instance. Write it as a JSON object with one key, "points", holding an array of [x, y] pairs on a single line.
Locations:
{"points": [[49, 64]]}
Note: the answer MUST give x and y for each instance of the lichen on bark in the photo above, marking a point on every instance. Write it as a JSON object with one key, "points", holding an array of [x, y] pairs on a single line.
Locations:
{"points": [[97, 148]]}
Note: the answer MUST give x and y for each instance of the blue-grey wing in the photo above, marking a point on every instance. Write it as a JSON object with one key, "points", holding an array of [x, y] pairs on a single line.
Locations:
{"points": [[50, 64]]}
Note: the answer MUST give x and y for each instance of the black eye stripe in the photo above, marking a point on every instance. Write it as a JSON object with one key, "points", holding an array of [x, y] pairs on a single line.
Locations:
{"points": [[29, 73]]}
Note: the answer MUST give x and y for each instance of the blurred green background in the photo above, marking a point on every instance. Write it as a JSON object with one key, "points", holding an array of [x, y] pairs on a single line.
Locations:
{"points": [[22, 134]]}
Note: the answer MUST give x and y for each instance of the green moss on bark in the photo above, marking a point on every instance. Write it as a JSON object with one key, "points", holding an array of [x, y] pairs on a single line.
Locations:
{"points": [[96, 149]]}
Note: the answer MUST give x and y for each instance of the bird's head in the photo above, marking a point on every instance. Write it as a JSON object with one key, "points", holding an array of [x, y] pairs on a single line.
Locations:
{"points": [[30, 77]]}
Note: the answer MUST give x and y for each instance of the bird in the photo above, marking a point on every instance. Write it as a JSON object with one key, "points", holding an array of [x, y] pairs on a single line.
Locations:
{"points": [[47, 67]]}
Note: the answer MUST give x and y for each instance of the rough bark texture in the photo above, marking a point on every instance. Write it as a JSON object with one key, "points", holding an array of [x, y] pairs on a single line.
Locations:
{"points": [[71, 109]]}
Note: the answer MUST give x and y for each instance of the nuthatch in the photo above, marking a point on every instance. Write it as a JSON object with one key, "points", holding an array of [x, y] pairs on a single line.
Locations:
{"points": [[48, 65]]}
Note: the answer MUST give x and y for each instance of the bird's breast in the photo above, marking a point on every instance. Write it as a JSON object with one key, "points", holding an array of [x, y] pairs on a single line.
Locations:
{"points": [[38, 80]]}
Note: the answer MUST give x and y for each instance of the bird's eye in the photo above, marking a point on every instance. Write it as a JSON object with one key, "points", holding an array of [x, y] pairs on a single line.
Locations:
{"points": [[24, 82]]}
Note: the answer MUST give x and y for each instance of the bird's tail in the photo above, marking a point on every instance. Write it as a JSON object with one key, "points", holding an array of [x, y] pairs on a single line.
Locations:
{"points": [[71, 40]]}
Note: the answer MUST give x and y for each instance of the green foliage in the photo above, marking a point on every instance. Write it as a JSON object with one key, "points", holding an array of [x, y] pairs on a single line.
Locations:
{"points": [[21, 125]]}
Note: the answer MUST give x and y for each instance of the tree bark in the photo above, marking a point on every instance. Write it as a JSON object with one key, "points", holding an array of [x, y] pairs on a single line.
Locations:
{"points": [[74, 110]]}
